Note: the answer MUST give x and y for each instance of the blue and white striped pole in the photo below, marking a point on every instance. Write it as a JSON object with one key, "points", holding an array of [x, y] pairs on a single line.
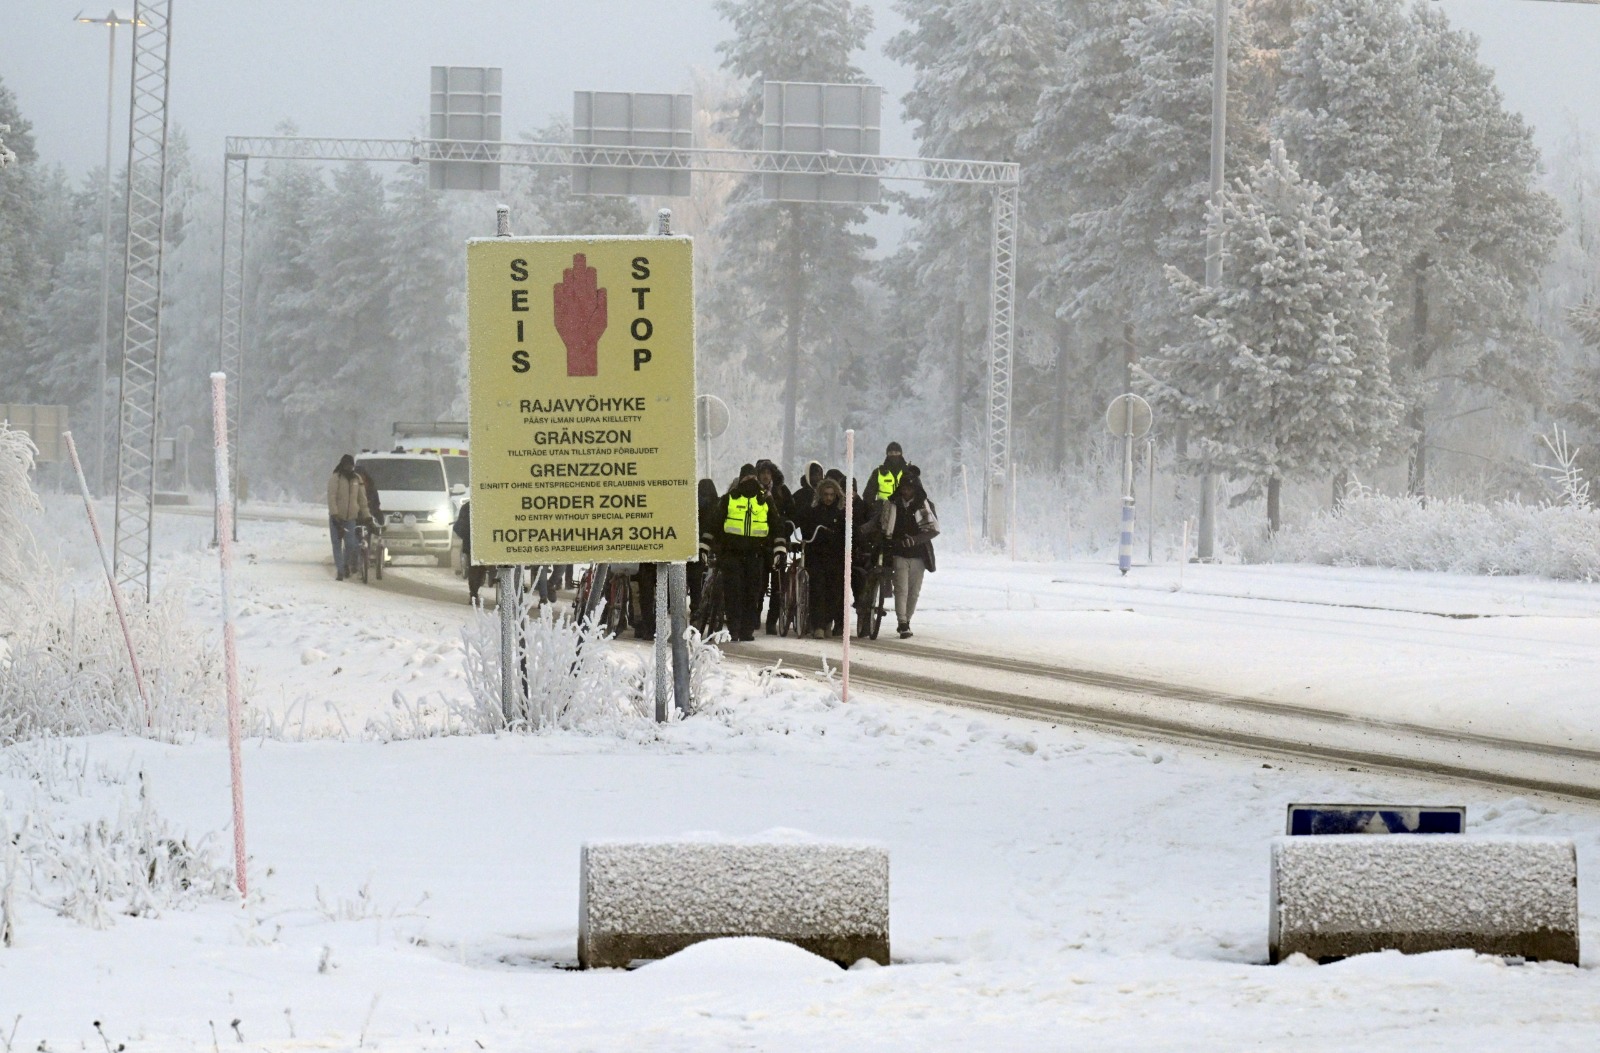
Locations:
{"points": [[1125, 546], [1125, 549]]}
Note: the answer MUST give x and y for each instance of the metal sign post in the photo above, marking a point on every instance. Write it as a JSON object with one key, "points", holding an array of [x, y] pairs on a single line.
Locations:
{"points": [[1128, 416], [507, 602]]}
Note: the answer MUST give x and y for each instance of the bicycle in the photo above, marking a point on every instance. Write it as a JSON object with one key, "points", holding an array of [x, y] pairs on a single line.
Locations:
{"points": [[614, 601], [795, 612], [371, 551], [712, 615], [875, 590]]}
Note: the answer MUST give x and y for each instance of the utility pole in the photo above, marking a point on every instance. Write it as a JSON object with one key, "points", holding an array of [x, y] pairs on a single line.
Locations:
{"points": [[1219, 131], [111, 20]]}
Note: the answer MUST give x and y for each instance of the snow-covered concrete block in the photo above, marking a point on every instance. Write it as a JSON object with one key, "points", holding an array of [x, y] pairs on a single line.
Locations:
{"points": [[649, 899], [1348, 894]]}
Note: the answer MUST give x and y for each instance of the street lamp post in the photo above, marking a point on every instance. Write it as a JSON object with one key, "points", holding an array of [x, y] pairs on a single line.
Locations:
{"points": [[111, 20], [1205, 548]]}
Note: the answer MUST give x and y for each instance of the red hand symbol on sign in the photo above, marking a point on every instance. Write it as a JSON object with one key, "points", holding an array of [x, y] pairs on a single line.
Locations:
{"points": [[580, 317]]}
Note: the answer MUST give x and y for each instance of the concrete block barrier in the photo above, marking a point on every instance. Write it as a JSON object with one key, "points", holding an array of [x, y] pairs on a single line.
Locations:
{"points": [[1349, 894], [649, 899]]}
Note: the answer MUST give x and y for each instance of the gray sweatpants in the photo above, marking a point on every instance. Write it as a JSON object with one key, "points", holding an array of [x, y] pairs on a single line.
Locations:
{"points": [[908, 571]]}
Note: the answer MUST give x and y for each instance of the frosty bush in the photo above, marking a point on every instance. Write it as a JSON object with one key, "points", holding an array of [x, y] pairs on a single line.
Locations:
{"points": [[16, 500], [1449, 534], [63, 663], [574, 675], [130, 863], [67, 670]]}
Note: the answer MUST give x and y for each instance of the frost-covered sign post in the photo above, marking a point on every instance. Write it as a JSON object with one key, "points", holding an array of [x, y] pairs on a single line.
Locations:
{"points": [[582, 401]]}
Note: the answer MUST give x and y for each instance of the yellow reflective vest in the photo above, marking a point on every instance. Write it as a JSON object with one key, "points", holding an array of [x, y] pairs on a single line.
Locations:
{"points": [[747, 517], [887, 482]]}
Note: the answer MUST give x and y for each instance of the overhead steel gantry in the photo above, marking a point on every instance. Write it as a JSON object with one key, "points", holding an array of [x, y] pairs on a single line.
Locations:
{"points": [[1002, 176], [141, 328]]}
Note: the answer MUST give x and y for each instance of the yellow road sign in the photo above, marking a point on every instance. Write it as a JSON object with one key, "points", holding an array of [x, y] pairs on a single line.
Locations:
{"points": [[582, 399]]}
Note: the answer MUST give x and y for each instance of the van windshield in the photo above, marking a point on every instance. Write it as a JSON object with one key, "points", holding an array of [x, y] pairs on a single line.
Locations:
{"points": [[405, 473], [455, 469]]}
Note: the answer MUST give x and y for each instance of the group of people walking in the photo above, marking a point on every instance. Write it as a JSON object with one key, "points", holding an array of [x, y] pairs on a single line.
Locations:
{"points": [[750, 528]]}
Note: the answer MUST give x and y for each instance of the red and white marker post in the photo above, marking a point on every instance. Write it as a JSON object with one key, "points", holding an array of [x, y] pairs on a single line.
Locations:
{"points": [[111, 578], [219, 426]]}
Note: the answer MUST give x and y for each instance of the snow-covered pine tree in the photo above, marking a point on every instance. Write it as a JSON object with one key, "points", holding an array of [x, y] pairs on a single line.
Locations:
{"points": [[1286, 372], [282, 325], [1356, 116], [426, 300], [1391, 111], [1119, 160], [29, 251], [1475, 346], [62, 342], [332, 379], [786, 294], [980, 67]]}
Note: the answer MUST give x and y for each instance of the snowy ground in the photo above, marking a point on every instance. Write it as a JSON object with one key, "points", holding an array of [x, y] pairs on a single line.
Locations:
{"points": [[1052, 888]]}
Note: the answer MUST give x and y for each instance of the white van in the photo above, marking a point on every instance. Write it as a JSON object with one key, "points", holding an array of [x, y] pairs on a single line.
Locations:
{"points": [[448, 439], [414, 494]]}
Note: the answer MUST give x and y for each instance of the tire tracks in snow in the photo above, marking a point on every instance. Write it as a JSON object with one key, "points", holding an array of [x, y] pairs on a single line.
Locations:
{"points": [[1127, 704]]}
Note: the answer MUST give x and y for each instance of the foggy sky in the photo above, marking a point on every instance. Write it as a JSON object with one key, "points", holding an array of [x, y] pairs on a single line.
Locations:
{"points": [[359, 68]]}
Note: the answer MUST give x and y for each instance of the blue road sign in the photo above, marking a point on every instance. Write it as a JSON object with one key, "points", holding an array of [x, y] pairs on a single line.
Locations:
{"points": [[1314, 819]]}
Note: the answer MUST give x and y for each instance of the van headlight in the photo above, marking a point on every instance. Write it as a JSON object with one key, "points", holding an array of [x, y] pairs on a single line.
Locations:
{"points": [[443, 514]]}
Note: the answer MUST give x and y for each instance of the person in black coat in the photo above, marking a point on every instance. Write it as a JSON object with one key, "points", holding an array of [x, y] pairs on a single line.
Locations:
{"points": [[825, 557], [706, 500], [463, 530], [771, 478], [806, 492], [911, 527]]}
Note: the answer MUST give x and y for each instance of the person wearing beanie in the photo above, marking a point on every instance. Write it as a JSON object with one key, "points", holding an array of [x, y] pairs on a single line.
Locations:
{"points": [[887, 475], [745, 523]]}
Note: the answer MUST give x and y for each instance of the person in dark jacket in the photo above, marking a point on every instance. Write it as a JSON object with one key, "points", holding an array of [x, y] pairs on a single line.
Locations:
{"points": [[709, 529], [806, 492], [823, 523], [912, 524], [886, 477], [746, 520], [771, 479], [463, 530]]}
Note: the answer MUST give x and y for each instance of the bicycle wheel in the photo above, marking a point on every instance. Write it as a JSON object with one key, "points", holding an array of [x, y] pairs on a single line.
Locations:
{"points": [[802, 603], [712, 614], [786, 604], [584, 582], [717, 616], [875, 596], [366, 559], [616, 615], [380, 550]]}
